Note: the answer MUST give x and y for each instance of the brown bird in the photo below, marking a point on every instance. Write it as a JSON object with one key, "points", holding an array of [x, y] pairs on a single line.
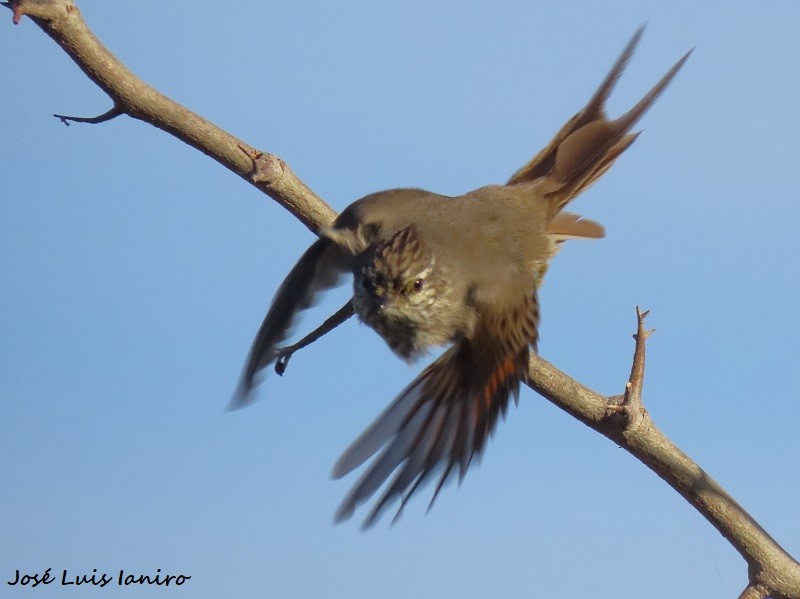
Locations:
{"points": [[431, 270]]}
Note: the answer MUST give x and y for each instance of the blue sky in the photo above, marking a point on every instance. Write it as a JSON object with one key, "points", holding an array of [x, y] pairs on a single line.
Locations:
{"points": [[134, 273]]}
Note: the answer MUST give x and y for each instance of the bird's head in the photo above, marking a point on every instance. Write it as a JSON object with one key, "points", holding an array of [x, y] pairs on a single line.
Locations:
{"points": [[399, 290]]}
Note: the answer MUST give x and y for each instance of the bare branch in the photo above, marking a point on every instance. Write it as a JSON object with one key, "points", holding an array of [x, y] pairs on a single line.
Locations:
{"points": [[62, 21], [772, 572], [769, 565], [754, 591]]}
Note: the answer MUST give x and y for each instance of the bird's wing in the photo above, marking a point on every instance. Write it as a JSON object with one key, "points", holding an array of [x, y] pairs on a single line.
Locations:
{"points": [[319, 268], [445, 416]]}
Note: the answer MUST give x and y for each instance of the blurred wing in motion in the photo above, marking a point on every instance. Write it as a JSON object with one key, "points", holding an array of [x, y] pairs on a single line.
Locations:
{"points": [[319, 268], [444, 417]]}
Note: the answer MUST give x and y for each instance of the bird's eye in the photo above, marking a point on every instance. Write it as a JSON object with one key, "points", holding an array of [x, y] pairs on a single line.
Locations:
{"points": [[418, 285]]}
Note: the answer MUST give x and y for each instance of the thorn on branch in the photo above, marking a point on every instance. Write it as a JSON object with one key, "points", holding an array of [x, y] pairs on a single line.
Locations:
{"points": [[633, 389], [630, 403], [95, 120]]}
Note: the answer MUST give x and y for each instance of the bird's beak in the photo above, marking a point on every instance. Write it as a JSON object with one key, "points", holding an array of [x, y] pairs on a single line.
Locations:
{"points": [[381, 303]]}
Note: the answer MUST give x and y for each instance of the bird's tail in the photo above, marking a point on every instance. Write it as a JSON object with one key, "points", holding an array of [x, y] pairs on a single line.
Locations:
{"points": [[589, 143]]}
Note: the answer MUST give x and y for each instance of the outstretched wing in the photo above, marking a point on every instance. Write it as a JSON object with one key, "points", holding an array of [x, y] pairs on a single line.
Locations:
{"points": [[319, 268], [444, 417]]}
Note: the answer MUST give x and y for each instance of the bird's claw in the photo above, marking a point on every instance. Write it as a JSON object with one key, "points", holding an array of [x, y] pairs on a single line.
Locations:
{"points": [[282, 360]]}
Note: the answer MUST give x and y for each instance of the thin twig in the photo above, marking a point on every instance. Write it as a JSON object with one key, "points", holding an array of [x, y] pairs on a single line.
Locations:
{"points": [[633, 389], [114, 112]]}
